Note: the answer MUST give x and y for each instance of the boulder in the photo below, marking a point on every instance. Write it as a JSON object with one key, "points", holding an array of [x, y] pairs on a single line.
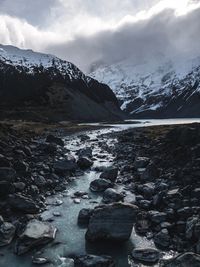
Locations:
{"points": [[84, 163], [147, 255], [183, 260], [162, 239], [66, 165], [35, 234], [110, 195], [110, 174], [7, 174], [94, 261], [84, 216], [24, 204], [7, 232], [112, 222], [56, 140], [100, 185]]}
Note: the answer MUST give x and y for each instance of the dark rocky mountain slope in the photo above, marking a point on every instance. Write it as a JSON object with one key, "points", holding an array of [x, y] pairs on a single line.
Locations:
{"points": [[38, 86]]}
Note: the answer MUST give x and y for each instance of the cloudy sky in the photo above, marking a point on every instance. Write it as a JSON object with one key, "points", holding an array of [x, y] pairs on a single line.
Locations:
{"points": [[88, 31]]}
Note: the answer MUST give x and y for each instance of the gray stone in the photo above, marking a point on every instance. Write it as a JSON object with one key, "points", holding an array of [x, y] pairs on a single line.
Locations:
{"points": [[84, 163], [112, 222], [35, 234], [7, 232], [65, 165], [110, 174], [110, 195], [147, 255], [23, 204], [100, 185], [84, 216]]}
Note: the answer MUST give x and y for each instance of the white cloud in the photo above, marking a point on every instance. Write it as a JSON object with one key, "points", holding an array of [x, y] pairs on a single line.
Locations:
{"points": [[85, 31]]}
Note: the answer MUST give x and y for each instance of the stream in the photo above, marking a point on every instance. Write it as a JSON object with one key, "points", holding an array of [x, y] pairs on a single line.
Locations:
{"points": [[71, 237]]}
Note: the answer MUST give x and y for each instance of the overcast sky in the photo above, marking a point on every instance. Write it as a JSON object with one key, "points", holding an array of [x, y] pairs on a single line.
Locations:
{"points": [[86, 31]]}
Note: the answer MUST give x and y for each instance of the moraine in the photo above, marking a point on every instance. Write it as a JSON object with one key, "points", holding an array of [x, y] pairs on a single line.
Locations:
{"points": [[71, 237]]}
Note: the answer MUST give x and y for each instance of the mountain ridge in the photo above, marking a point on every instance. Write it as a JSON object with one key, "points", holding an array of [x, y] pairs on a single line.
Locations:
{"points": [[157, 88], [54, 88]]}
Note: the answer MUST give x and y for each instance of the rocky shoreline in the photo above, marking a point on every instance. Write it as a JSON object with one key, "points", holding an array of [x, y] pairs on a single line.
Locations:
{"points": [[158, 166]]}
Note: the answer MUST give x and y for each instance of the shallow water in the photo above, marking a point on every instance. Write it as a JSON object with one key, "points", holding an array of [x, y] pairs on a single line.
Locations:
{"points": [[70, 236]]}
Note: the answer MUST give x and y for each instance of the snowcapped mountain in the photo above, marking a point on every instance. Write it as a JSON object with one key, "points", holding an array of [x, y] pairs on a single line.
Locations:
{"points": [[36, 84], [155, 88], [31, 62]]}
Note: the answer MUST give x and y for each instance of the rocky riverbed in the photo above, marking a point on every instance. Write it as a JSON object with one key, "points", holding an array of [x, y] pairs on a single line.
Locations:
{"points": [[130, 195]]}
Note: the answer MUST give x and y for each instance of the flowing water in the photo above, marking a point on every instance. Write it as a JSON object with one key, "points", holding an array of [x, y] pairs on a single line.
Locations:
{"points": [[71, 237]]}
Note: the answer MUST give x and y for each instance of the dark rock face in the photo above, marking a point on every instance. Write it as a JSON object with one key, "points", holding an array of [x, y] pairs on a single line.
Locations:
{"points": [[112, 222], [58, 92]]}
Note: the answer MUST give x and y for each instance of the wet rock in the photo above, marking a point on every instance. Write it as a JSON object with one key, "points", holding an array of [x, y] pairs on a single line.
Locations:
{"points": [[147, 190], [162, 239], [94, 261], [24, 204], [8, 174], [110, 174], [77, 201], [157, 217], [112, 222], [39, 261], [111, 195], [183, 260], [35, 234], [7, 232], [147, 255], [66, 165], [56, 140], [84, 216], [84, 163], [100, 185], [141, 162]]}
